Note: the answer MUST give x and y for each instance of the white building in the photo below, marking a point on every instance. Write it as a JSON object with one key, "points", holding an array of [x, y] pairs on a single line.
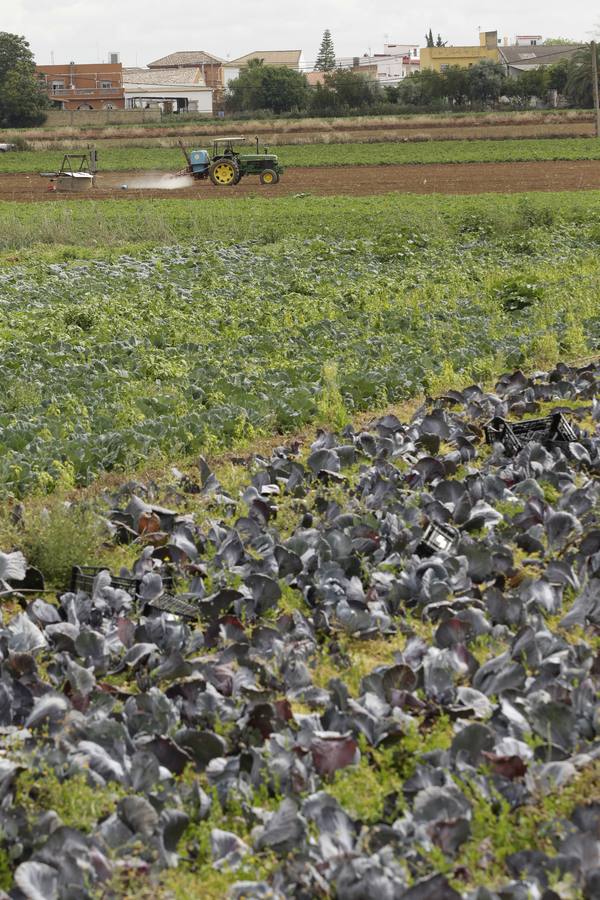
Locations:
{"points": [[176, 90], [387, 68], [528, 40], [290, 59], [411, 50]]}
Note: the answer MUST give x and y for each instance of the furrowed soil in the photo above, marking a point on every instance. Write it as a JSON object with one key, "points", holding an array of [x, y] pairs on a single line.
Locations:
{"points": [[494, 126], [393, 132], [446, 178]]}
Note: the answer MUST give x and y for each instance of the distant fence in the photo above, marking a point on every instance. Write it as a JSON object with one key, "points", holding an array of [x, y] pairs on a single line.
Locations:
{"points": [[101, 116]]}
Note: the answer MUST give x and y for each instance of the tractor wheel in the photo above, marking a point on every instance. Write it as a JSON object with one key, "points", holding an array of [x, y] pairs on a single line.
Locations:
{"points": [[269, 176], [224, 172]]}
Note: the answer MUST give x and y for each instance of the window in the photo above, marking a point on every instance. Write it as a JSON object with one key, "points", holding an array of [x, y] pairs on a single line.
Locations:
{"points": [[105, 85], [444, 67], [58, 86]]}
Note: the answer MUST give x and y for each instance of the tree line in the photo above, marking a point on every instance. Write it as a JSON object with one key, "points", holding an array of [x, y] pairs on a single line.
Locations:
{"points": [[22, 97], [484, 83], [280, 90]]}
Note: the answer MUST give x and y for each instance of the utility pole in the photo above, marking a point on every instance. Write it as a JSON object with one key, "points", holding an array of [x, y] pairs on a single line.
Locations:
{"points": [[595, 86]]}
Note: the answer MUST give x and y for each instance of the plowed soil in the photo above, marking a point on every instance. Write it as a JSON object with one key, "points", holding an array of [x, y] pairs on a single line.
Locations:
{"points": [[495, 126], [386, 131], [448, 178]]}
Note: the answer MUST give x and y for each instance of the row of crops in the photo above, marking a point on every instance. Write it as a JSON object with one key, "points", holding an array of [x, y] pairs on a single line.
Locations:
{"points": [[113, 360], [360, 664], [121, 158], [381, 681]]}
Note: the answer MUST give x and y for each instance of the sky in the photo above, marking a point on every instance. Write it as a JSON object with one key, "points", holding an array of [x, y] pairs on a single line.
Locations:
{"points": [[86, 31]]}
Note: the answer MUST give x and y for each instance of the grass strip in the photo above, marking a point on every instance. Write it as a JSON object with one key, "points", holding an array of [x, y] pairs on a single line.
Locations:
{"points": [[394, 152]]}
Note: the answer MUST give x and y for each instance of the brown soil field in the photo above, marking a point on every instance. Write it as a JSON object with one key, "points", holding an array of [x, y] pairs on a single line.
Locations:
{"points": [[491, 126], [350, 136], [447, 178], [393, 132]]}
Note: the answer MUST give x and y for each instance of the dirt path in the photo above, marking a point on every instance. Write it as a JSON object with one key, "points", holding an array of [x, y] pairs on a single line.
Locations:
{"points": [[448, 178]]}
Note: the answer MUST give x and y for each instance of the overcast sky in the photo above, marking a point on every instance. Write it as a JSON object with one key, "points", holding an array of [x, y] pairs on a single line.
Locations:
{"points": [[143, 30]]}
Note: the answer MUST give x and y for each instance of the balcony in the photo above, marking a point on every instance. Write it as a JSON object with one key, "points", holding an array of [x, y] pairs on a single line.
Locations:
{"points": [[75, 92]]}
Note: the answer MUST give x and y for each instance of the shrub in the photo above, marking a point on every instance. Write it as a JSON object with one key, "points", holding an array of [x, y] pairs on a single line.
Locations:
{"points": [[58, 538]]}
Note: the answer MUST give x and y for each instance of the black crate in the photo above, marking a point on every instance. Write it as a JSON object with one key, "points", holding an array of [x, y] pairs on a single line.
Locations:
{"points": [[176, 605], [499, 431], [437, 539], [82, 579], [514, 435]]}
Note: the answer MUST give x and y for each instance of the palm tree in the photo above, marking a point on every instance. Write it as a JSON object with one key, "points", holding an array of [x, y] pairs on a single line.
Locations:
{"points": [[579, 86]]}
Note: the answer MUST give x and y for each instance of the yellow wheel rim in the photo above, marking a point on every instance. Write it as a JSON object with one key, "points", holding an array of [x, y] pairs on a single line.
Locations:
{"points": [[267, 178], [224, 173]]}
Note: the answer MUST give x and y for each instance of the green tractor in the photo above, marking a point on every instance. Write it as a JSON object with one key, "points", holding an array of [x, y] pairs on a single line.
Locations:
{"points": [[227, 165]]}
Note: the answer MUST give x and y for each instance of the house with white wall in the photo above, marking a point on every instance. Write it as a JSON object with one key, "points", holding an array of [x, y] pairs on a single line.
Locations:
{"points": [[175, 90], [390, 67], [290, 59]]}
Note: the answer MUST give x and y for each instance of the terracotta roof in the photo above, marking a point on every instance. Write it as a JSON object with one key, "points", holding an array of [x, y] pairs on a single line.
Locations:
{"points": [[185, 58], [163, 76], [289, 58], [538, 54]]}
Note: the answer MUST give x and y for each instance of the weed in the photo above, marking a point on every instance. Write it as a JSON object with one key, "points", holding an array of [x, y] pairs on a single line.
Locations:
{"points": [[330, 403], [6, 878], [551, 493], [59, 537], [497, 831], [363, 790], [77, 803], [354, 658]]}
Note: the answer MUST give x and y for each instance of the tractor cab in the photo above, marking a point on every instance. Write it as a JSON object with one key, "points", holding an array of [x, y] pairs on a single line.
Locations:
{"points": [[227, 146]]}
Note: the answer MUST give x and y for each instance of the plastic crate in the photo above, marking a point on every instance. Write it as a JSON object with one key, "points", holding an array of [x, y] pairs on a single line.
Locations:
{"points": [[437, 538], [176, 605], [498, 431], [82, 579], [514, 435]]}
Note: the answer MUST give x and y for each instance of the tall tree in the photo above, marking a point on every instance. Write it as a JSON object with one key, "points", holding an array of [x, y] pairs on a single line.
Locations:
{"points": [[456, 84], [579, 88], [344, 91], [326, 55], [486, 81], [558, 73], [439, 42], [274, 88], [429, 42], [22, 99], [421, 89], [529, 84]]}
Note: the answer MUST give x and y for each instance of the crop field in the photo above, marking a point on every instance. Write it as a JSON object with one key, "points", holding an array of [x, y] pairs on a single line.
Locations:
{"points": [[345, 704], [341, 637], [73, 230], [178, 348], [133, 158]]}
